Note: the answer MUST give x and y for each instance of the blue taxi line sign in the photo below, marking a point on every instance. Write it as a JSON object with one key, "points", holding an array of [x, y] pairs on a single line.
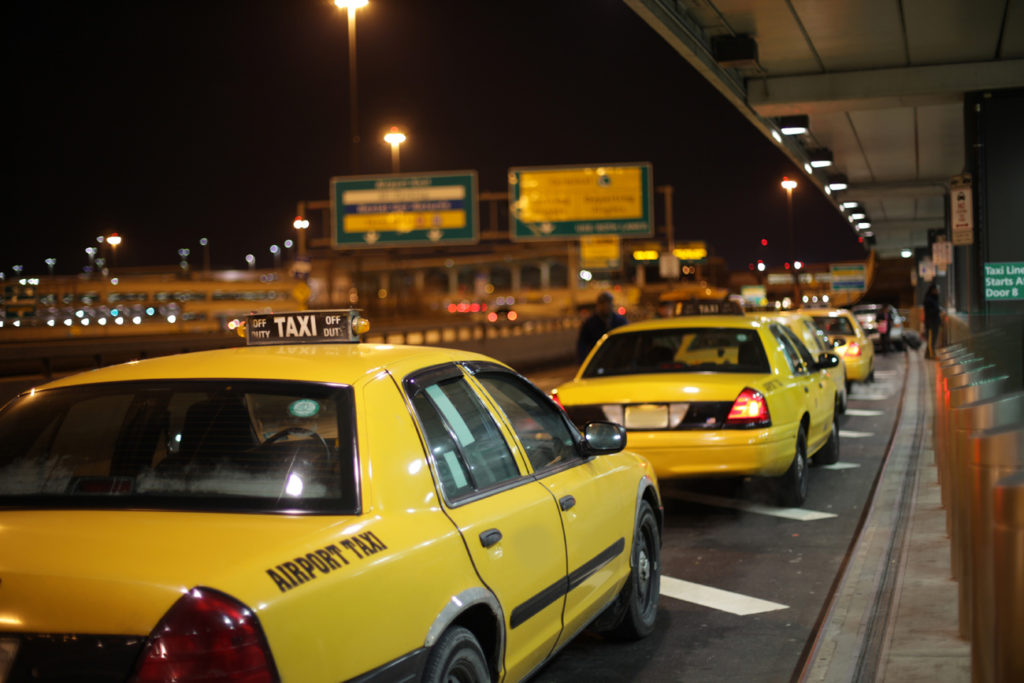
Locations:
{"points": [[305, 327], [401, 210]]}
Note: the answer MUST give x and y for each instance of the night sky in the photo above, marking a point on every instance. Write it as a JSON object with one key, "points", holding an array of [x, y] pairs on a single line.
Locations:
{"points": [[170, 121]]}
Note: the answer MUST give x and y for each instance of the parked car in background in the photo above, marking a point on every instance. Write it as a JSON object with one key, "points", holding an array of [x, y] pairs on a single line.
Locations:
{"points": [[850, 341], [867, 315]]}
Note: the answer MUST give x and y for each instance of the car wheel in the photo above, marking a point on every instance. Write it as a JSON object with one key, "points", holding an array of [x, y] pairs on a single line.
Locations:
{"points": [[841, 401], [829, 453], [456, 658], [792, 485], [639, 597]]}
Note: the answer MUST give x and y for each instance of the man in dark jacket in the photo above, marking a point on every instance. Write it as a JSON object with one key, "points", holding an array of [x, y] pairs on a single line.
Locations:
{"points": [[603, 319], [932, 319]]}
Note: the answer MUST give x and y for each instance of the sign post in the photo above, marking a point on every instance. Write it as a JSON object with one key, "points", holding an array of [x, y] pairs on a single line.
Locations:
{"points": [[961, 200]]}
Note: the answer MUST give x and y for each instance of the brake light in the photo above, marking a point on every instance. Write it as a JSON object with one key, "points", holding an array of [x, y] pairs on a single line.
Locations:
{"points": [[749, 408], [554, 397], [853, 349], [207, 636]]}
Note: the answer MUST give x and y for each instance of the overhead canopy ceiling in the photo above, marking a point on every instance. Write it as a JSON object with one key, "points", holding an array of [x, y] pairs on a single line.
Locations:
{"points": [[881, 81]]}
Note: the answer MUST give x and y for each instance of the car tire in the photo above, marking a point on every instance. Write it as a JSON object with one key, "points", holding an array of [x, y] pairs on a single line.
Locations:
{"points": [[829, 453], [842, 399], [456, 656], [638, 600], [791, 487]]}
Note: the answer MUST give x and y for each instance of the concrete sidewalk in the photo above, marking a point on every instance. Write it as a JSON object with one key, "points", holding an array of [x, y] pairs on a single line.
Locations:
{"points": [[894, 615]]}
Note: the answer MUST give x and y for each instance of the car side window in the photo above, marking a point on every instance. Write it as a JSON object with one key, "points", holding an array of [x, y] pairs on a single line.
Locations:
{"points": [[796, 363], [544, 433], [806, 357], [468, 449]]}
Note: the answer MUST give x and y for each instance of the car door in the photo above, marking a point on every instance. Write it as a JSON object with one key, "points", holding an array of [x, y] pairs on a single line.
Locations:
{"points": [[509, 522], [596, 499], [815, 385]]}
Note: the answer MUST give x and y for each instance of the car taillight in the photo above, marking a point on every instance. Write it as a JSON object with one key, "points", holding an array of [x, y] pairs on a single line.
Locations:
{"points": [[749, 408], [554, 397], [207, 636], [853, 349]]}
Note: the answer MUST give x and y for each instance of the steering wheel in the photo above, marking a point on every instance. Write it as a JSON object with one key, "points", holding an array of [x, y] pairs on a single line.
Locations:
{"points": [[328, 456]]}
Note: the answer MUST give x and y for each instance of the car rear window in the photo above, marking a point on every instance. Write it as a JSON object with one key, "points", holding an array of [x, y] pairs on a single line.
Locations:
{"points": [[219, 445], [834, 325], [679, 350]]}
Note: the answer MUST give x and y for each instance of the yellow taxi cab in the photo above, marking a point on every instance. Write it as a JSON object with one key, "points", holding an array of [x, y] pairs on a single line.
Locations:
{"points": [[718, 394], [297, 510], [850, 340], [814, 339]]}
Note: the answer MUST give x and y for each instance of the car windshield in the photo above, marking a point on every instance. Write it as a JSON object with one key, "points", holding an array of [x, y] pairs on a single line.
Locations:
{"points": [[834, 325], [679, 350], [212, 445]]}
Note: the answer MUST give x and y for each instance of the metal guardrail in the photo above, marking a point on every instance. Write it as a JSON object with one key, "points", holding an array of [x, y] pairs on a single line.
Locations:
{"points": [[979, 451]]}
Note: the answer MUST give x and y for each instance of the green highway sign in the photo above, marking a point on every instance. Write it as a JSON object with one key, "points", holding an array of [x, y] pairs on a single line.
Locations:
{"points": [[1004, 281], [402, 210], [569, 202]]}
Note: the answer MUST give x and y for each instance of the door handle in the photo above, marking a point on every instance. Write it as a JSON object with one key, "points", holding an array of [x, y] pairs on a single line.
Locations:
{"points": [[489, 537], [566, 502]]}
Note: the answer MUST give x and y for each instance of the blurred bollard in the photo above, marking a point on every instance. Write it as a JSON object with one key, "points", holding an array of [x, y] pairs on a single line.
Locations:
{"points": [[995, 453], [989, 409], [952, 367], [1008, 558], [971, 373]]}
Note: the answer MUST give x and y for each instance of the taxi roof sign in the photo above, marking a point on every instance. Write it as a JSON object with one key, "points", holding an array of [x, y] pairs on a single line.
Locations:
{"points": [[708, 307], [305, 327]]}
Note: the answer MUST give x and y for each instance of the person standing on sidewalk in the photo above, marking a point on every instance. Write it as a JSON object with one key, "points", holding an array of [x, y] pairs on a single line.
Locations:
{"points": [[932, 319], [603, 319], [884, 322]]}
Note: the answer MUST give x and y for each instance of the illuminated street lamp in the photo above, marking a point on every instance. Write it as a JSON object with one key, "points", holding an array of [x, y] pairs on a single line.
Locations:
{"points": [[394, 138], [114, 240], [301, 225], [251, 260], [352, 6], [50, 263], [789, 185], [205, 244], [91, 253], [183, 255], [276, 252]]}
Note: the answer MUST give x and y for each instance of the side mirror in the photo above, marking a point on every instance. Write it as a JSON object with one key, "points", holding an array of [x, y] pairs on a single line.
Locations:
{"points": [[603, 438], [827, 360]]}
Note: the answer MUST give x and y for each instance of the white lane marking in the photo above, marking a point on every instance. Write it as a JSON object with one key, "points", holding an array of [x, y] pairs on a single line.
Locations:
{"points": [[715, 598], [856, 412], [840, 466], [799, 514], [887, 373], [869, 397], [849, 434]]}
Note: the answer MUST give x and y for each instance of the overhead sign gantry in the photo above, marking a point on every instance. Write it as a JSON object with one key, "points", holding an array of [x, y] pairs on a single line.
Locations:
{"points": [[401, 210], [570, 202]]}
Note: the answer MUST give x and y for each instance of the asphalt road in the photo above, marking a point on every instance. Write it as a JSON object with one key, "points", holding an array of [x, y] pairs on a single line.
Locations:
{"points": [[744, 583]]}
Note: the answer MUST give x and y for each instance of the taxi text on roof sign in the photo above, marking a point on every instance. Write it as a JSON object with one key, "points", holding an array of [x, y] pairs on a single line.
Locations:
{"points": [[305, 327]]}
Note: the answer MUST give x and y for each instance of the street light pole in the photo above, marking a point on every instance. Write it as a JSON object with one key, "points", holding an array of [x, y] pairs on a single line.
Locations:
{"points": [[352, 6], [790, 185], [394, 138]]}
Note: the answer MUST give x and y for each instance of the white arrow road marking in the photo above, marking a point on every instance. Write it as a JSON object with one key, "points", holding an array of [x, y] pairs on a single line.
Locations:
{"points": [[856, 412], [798, 514], [715, 598], [848, 434], [840, 466]]}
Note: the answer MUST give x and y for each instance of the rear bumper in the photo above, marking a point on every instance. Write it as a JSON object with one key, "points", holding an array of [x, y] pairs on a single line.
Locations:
{"points": [[754, 452]]}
